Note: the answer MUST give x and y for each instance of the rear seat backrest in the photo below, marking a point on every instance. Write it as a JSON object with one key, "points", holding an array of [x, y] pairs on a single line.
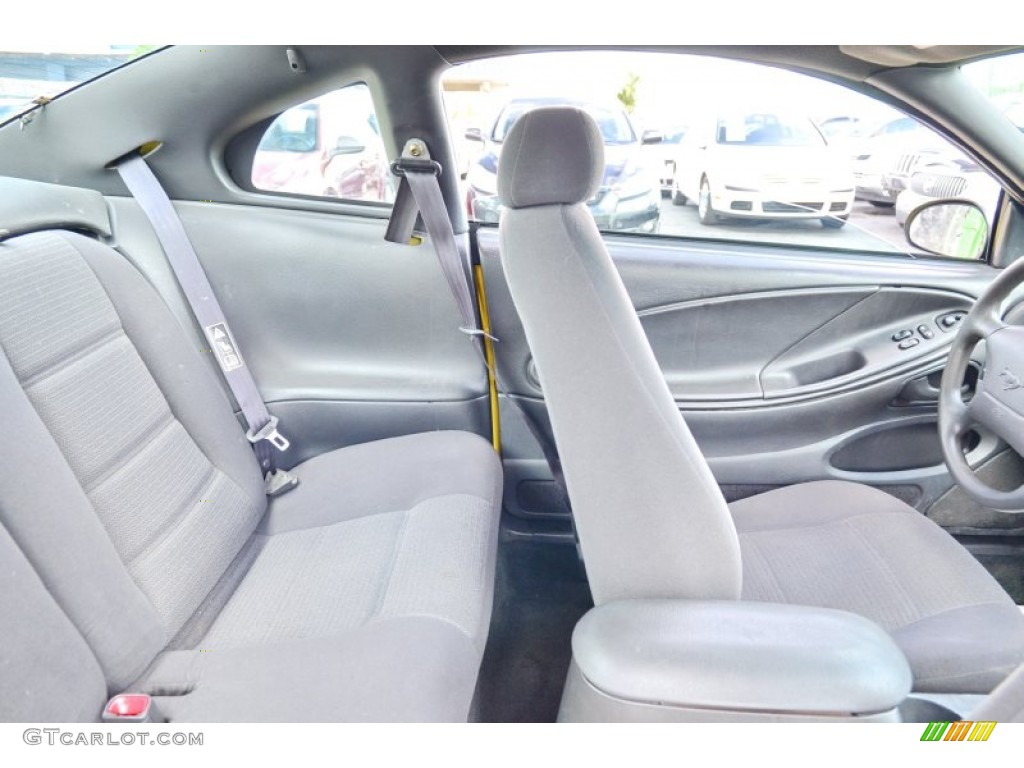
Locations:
{"points": [[131, 487]]}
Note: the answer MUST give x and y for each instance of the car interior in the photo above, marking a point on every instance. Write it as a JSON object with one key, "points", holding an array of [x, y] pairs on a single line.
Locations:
{"points": [[275, 456]]}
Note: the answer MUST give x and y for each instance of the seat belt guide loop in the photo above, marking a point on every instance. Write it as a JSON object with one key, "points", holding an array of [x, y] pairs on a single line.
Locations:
{"points": [[407, 164]]}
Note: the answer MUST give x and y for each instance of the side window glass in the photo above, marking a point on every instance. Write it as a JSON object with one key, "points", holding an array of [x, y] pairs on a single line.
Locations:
{"points": [[327, 147], [702, 148]]}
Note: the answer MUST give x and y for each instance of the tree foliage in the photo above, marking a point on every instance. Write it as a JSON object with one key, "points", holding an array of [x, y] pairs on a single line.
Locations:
{"points": [[627, 94]]}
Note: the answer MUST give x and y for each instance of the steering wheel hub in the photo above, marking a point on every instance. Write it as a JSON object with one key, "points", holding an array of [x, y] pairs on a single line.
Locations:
{"points": [[998, 401]]}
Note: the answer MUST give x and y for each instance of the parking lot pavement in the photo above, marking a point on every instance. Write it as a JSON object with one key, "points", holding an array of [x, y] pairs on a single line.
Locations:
{"points": [[869, 229]]}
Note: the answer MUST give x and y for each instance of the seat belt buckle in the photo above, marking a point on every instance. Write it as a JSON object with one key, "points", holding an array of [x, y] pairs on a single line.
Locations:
{"points": [[269, 433], [131, 708]]}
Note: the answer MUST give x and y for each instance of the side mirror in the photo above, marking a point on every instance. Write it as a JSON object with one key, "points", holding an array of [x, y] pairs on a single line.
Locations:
{"points": [[956, 229], [652, 137], [347, 145], [475, 134]]}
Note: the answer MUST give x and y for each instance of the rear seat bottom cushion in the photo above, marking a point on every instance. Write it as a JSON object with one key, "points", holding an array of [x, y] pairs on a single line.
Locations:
{"points": [[374, 578], [410, 669]]}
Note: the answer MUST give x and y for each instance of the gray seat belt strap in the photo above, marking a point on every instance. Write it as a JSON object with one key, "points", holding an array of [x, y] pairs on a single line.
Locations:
{"points": [[421, 173], [427, 194], [263, 432]]}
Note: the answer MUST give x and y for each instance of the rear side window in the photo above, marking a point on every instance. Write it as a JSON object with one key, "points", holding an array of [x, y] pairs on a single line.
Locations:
{"points": [[329, 146]]}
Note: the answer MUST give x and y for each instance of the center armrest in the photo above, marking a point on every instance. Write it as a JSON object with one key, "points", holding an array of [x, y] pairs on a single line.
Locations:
{"points": [[740, 656]]}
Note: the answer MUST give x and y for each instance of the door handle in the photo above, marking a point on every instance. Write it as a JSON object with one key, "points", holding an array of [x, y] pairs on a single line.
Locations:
{"points": [[924, 390]]}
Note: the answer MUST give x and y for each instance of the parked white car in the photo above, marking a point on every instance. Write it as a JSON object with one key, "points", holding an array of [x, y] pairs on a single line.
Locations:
{"points": [[879, 152], [948, 182], [762, 164]]}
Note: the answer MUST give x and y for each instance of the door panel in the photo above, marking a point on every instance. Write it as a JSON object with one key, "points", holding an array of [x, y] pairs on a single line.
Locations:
{"points": [[782, 361], [349, 338], [710, 350], [728, 351], [864, 343]]}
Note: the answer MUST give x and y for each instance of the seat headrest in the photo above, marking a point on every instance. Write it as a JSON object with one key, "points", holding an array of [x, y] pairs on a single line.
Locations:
{"points": [[31, 206], [552, 156]]}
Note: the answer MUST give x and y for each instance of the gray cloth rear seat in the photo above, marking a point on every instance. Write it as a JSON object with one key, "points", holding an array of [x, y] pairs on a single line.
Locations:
{"points": [[131, 491]]}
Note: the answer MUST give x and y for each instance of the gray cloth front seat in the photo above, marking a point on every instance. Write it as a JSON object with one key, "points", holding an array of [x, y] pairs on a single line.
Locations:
{"points": [[651, 519]]}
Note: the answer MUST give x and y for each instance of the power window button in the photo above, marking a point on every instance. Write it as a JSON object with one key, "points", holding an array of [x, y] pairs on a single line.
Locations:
{"points": [[906, 333], [950, 320]]}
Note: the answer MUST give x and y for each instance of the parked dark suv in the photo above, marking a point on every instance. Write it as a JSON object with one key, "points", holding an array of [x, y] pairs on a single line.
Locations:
{"points": [[629, 197]]}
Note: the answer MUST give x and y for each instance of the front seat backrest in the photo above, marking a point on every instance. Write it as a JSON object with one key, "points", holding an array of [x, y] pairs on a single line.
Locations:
{"points": [[651, 519]]}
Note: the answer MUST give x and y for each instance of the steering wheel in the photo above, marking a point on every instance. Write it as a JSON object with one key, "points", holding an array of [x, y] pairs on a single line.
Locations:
{"points": [[998, 401]]}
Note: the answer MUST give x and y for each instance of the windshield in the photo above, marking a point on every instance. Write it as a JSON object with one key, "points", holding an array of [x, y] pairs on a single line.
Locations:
{"points": [[768, 129], [27, 76], [615, 128]]}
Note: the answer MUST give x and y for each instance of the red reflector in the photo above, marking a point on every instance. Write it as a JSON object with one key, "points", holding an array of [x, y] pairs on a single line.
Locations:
{"points": [[128, 705]]}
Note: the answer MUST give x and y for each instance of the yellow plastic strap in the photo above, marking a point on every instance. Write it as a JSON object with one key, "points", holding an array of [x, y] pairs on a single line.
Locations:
{"points": [[492, 384]]}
